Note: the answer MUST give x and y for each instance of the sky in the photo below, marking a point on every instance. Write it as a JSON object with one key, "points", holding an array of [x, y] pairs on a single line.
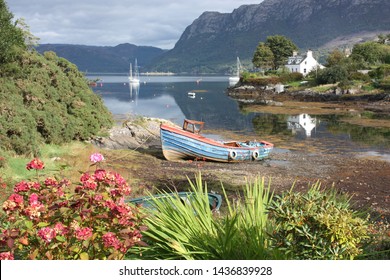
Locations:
{"points": [[157, 23]]}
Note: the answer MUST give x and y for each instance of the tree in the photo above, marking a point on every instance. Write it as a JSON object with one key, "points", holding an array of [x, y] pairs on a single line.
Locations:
{"points": [[263, 57], [281, 48], [30, 39], [335, 58], [11, 37], [369, 52]]}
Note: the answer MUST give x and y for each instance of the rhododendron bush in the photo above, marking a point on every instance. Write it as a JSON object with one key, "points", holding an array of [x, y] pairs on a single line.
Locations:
{"points": [[54, 219]]}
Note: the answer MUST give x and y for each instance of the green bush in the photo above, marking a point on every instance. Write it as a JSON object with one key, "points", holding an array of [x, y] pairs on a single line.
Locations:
{"points": [[45, 99], [332, 75], [317, 225], [193, 231]]}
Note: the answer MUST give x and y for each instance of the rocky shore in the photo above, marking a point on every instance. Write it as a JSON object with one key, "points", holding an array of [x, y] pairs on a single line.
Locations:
{"points": [[260, 95], [365, 178]]}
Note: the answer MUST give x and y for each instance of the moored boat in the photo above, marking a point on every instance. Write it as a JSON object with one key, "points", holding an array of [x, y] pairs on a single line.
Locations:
{"points": [[187, 143], [215, 200]]}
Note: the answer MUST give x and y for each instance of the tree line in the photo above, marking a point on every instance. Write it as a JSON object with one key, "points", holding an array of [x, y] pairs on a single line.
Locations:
{"points": [[373, 56]]}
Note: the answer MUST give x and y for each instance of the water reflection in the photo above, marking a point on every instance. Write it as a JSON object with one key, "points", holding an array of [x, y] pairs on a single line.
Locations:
{"points": [[134, 92], [302, 122], [167, 98]]}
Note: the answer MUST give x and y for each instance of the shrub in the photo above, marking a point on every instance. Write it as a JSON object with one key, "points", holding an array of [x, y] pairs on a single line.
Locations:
{"points": [[45, 99], [193, 231], [316, 225], [331, 75], [51, 219]]}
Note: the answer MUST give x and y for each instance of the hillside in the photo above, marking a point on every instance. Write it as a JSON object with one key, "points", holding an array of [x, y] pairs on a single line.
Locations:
{"points": [[213, 40], [103, 59]]}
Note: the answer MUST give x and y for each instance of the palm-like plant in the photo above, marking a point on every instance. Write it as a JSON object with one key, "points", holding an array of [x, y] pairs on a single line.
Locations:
{"points": [[178, 230]]}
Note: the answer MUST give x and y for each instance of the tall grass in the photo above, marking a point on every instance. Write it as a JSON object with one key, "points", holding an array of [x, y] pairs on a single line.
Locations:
{"points": [[178, 230]]}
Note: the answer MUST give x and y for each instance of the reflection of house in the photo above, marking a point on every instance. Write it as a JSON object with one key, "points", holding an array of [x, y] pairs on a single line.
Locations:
{"points": [[303, 64], [301, 122]]}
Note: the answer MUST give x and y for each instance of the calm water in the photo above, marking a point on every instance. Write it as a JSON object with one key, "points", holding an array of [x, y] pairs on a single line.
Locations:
{"points": [[167, 97]]}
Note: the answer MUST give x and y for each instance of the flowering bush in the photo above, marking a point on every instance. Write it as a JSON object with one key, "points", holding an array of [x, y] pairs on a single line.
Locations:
{"points": [[55, 220]]}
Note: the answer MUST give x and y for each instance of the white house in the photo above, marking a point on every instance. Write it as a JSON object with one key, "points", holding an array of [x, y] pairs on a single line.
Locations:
{"points": [[303, 63], [302, 122]]}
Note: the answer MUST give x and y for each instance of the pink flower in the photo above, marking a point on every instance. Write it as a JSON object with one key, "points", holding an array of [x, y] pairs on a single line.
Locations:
{"points": [[33, 199], [34, 211], [110, 240], [96, 157], [47, 234], [6, 256], [83, 233], [15, 201], [100, 175], [36, 163], [50, 181], [60, 228], [21, 187]]}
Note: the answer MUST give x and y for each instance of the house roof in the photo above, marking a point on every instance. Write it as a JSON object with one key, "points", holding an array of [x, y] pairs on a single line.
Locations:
{"points": [[296, 60]]}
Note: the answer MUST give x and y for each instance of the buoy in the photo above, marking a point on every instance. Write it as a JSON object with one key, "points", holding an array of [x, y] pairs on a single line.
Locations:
{"points": [[232, 154]]}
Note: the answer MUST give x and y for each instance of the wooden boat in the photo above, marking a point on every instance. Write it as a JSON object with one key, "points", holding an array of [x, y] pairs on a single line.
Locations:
{"points": [[215, 200], [187, 143]]}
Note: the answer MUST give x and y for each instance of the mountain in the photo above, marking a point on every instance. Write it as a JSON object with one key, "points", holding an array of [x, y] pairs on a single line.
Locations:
{"points": [[212, 42], [103, 59]]}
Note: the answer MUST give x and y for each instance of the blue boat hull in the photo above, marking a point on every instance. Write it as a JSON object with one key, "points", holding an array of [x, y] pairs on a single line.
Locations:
{"points": [[178, 144]]}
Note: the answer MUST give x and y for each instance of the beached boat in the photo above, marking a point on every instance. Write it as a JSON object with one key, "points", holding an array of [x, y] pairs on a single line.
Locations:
{"points": [[215, 200], [187, 143]]}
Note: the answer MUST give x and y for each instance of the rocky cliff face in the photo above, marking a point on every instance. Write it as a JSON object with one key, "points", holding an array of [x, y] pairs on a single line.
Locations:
{"points": [[217, 38]]}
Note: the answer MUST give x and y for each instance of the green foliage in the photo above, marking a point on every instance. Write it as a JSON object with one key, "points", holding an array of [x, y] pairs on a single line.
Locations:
{"points": [[11, 37], [370, 53], [331, 75], [263, 57], [45, 99], [281, 48], [317, 225], [336, 57], [178, 230]]}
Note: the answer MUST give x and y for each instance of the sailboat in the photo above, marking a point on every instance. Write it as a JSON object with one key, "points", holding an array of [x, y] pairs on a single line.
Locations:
{"points": [[134, 79], [234, 79]]}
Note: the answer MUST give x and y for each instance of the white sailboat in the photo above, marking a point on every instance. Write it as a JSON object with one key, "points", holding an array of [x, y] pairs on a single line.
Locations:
{"points": [[234, 79], [134, 79]]}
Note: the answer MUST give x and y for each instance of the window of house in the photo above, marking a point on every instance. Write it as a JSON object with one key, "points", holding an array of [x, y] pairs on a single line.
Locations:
{"points": [[304, 70]]}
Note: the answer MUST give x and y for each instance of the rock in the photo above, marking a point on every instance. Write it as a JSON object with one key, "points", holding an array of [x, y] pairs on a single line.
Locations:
{"points": [[133, 134]]}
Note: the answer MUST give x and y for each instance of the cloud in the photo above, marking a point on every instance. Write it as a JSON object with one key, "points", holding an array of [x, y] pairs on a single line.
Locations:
{"points": [[97, 22]]}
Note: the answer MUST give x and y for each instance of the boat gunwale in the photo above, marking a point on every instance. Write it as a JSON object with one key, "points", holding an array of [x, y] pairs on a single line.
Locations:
{"points": [[212, 141]]}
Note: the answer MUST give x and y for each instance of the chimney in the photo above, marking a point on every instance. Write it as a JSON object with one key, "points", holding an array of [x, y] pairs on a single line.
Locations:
{"points": [[309, 53], [295, 53]]}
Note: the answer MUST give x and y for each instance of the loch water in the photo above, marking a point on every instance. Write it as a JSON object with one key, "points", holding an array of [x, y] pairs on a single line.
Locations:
{"points": [[168, 97]]}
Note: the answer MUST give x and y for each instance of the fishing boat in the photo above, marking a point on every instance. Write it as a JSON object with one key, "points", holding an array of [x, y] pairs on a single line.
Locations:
{"points": [[215, 200], [134, 79], [187, 143], [233, 80]]}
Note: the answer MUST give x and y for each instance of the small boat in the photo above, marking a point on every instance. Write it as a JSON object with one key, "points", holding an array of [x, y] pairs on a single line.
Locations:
{"points": [[191, 94], [187, 143], [233, 80], [134, 79], [215, 200]]}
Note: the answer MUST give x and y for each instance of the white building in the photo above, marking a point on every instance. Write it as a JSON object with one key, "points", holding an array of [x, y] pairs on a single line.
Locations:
{"points": [[302, 122], [303, 64]]}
